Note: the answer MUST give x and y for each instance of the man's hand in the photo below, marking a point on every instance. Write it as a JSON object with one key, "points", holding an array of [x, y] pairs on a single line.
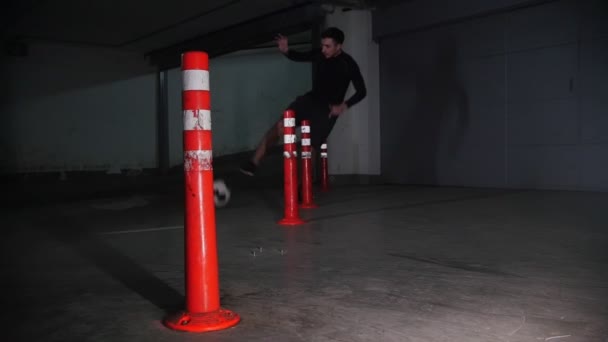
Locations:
{"points": [[338, 109], [282, 42]]}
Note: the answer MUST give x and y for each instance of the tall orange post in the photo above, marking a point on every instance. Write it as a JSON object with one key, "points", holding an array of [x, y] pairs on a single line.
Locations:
{"points": [[324, 169], [290, 173], [203, 311], [307, 196]]}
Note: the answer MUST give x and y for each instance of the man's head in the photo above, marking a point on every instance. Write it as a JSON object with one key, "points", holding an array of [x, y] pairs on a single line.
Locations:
{"points": [[331, 42]]}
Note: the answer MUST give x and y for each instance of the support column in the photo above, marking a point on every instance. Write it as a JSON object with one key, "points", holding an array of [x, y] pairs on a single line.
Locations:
{"points": [[354, 144], [162, 122]]}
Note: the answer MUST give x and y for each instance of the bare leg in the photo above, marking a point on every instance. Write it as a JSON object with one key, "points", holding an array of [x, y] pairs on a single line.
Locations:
{"points": [[268, 140]]}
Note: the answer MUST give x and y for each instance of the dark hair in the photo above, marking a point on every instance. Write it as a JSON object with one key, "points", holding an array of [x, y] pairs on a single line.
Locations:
{"points": [[334, 33]]}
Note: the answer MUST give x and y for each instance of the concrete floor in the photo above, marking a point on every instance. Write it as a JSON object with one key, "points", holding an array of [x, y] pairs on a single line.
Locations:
{"points": [[373, 263]]}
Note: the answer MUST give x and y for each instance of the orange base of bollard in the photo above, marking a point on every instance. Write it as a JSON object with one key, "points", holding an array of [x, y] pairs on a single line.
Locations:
{"points": [[291, 221], [308, 205], [202, 322]]}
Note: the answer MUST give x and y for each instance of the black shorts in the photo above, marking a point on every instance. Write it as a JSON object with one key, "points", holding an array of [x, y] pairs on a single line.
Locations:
{"points": [[317, 112]]}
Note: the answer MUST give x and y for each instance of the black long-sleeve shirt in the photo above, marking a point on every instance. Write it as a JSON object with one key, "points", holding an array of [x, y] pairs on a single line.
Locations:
{"points": [[333, 76]]}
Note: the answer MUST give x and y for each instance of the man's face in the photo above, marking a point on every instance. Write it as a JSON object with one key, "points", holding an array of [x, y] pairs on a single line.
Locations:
{"points": [[330, 48]]}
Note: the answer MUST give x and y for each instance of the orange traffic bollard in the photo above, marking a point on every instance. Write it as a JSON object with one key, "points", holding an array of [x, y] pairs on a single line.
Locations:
{"points": [[307, 196], [290, 156], [203, 312], [324, 169]]}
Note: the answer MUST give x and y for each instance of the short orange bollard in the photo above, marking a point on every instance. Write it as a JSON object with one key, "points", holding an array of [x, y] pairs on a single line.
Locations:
{"points": [[203, 312], [307, 195], [290, 155], [324, 169]]}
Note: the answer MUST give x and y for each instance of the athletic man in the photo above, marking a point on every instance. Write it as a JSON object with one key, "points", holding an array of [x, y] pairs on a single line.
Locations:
{"points": [[335, 70]]}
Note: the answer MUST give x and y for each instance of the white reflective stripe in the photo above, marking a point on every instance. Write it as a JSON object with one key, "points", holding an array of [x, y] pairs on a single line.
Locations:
{"points": [[195, 79], [199, 160], [286, 154], [289, 138], [289, 122], [305, 142], [295, 153], [306, 155], [305, 129], [195, 120], [323, 155], [324, 146]]}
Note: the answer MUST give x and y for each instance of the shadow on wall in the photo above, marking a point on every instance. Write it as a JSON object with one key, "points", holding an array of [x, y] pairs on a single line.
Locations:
{"points": [[438, 117], [40, 92], [50, 69]]}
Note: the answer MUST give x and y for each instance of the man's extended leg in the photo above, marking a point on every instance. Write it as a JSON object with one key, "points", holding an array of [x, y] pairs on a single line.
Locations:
{"points": [[270, 138]]}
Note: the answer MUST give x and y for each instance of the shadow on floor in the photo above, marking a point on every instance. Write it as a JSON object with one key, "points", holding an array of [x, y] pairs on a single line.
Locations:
{"points": [[111, 261]]}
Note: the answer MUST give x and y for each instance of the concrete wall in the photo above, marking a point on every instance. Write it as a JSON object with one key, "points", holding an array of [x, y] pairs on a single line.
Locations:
{"points": [[69, 108], [249, 92], [66, 108], [511, 98]]}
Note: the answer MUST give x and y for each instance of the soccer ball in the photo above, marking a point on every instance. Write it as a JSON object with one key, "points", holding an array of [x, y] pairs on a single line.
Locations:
{"points": [[221, 193]]}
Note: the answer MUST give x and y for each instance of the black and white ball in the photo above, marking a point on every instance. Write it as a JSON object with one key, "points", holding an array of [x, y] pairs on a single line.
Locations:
{"points": [[221, 193]]}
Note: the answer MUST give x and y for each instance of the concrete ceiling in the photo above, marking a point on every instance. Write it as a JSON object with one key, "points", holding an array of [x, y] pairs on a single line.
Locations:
{"points": [[161, 29], [139, 25]]}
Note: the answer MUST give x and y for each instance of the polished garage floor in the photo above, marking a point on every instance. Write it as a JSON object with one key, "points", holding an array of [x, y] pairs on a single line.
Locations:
{"points": [[373, 263]]}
